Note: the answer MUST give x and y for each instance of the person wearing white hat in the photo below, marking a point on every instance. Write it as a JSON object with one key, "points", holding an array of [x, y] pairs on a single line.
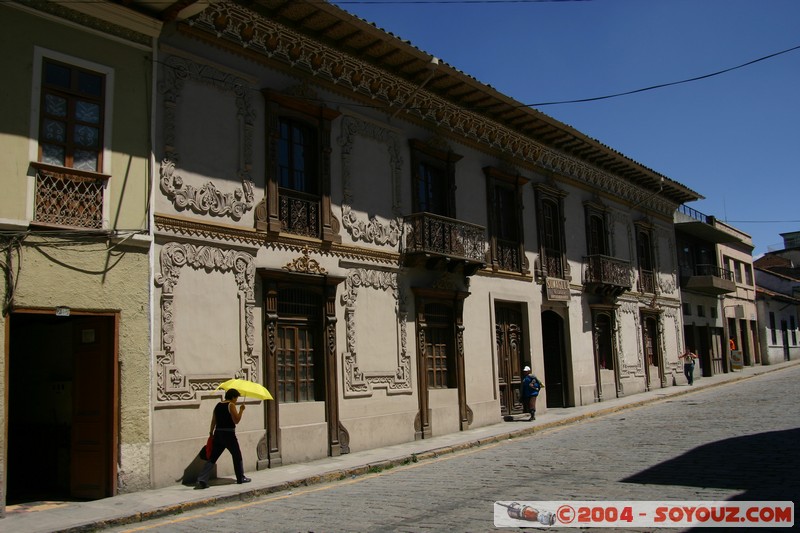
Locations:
{"points": [[530, 391]]}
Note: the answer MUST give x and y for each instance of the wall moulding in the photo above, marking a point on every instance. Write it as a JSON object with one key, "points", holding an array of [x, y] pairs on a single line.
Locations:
{"points": [[356, 382], [206, 199], [173, 386]]}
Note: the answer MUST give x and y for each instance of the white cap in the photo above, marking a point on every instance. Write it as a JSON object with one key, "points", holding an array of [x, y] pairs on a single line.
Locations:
{"points": [[526, 369]]}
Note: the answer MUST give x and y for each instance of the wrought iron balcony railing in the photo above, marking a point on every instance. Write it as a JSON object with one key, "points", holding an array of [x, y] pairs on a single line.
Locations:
{"points": [[508, 256], [647, 281], [437, 236], [298, 213], [607, 275], [68, 197]]}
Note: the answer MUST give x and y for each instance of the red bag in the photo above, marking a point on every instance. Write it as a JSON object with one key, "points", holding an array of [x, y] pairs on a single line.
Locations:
{"points": [[209, 446], [205, 451]]}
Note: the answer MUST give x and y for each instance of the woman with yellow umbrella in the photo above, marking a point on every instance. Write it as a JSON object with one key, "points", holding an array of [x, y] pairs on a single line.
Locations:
{"points": [[223, 427]]}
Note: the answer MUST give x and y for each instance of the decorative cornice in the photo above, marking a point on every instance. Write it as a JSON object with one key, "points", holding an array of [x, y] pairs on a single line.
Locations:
{"points": [[203, 231], [89, 16], [272, 41], [181, 227]]}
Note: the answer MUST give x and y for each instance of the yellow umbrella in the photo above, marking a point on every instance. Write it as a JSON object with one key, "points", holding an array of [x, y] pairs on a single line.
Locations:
{"points": [[247, 388]]}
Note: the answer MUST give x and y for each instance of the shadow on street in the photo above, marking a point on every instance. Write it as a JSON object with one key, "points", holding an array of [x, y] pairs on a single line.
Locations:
{"points": [[766, 466]]}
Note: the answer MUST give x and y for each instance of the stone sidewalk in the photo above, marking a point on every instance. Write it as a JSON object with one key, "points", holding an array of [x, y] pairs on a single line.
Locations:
{"points": [[136, 507]]}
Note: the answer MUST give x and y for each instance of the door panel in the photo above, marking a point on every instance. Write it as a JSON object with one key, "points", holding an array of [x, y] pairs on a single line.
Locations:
{"points": [[92, 425], [508, 334]]}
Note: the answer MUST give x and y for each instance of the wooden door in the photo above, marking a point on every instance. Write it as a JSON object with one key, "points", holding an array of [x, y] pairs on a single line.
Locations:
{"points": [[652, 361], [91, 464], [556, 377], [508, 334]]}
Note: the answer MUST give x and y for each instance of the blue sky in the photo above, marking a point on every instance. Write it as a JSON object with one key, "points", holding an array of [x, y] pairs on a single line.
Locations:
{"points": [[734, 138]]}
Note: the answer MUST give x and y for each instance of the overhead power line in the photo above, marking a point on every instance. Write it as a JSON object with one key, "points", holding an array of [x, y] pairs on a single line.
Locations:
{"points": [[662, 85]]}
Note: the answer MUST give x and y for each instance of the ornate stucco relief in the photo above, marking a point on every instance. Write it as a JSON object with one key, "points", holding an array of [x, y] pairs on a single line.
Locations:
{"points": [[667, 278], [371, 230], [237, 24], [632, 308], [305, 264], [207, 199], [172, 385], [356, 382]]}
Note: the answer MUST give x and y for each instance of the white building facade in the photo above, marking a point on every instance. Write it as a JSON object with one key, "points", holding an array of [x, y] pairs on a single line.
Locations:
{"points": [[335, 222]]}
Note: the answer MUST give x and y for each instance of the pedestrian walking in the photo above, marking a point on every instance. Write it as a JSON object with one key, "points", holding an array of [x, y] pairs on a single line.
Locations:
{"points": [[689, 358], [530, 391], [223, 428]]}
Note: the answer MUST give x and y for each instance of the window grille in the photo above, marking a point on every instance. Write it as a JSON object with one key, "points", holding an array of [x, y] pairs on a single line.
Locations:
{"points": [[68, 198]]}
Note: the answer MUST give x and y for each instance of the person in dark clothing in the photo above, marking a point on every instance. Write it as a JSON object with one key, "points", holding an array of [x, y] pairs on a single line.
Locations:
{"points": [[223, 428], [530, 391]]}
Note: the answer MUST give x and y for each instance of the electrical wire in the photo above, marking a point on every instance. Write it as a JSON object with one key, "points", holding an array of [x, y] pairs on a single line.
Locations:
{"points": [[662, 85]]}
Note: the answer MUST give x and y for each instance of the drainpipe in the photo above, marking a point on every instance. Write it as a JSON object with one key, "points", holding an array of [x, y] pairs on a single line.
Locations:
{"points": [[432, 66]]}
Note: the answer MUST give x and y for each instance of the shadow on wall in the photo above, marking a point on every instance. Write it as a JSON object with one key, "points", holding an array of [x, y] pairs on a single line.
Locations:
{"points": [[766, 466], [193, 469]]}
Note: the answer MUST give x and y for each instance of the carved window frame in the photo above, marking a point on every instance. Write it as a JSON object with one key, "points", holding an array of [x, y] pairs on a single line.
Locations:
{"points": [[645, 256], [174, 387], [597, 242], [320, 119], [303, 272], [548, 194], [440, 158], [498, 179]]}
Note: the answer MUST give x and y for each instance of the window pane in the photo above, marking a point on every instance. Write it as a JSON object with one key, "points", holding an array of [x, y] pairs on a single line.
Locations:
{"points": [[54, 130], [53, 155], [55, 105], [57, 75], [86, 136], [87, 112], [85, 160], [90, 84]]}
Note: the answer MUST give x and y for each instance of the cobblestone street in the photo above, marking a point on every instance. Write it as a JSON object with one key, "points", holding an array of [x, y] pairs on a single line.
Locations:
{"points": [[732, 442]]}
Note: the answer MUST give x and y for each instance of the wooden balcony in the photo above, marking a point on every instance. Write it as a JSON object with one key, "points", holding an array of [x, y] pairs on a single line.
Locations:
{"points": [[439, 242], [707, 279], [606, 276]]}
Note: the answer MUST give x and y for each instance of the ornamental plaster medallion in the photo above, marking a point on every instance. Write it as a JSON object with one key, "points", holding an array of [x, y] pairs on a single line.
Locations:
{"points": [[174, 387], [356, 382], [206, 199], [305, 265], [246, 29]]}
